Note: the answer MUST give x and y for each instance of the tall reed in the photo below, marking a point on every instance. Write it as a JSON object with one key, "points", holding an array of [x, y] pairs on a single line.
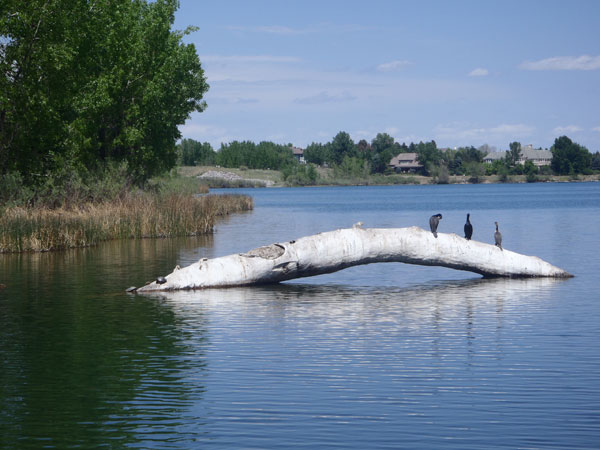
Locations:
{"points": [[137, 215]]}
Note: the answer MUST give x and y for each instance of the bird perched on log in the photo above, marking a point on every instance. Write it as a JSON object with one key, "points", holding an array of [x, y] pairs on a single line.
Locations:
{"points": [[498, 237], [434, 221], [468, 228]]}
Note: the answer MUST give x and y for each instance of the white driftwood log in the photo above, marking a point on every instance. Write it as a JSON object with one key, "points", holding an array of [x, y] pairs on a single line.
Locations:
{"points": [[335, 250]]}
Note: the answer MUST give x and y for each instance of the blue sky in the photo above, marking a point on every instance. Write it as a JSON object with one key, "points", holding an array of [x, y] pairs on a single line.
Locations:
{"points": [[459, 72]]}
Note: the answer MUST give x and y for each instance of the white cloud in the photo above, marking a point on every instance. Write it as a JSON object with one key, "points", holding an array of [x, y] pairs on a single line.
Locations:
{"points": [[596, 129], [567, 129], [206, 133], [583, 62], [479, 72], [463, 133], [248, 68], [393, 66], [514, 129], [325, 97]]}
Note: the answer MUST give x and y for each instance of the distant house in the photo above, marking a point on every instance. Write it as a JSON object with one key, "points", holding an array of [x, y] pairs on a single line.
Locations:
{"points": [[298, 154], [538, 157], [405, 162], [493, 156]]}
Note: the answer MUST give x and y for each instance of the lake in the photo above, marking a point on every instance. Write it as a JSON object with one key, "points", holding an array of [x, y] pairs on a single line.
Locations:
{"points": [[377, 356]]}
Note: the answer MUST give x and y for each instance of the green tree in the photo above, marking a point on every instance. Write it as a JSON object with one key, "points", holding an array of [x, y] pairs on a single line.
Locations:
{"points": [[342, 146], [265, 155], [86, 83], [363, 147], [352, 167], [193, 153], [317, 153], [429, 155], [514, 154], [475, 171], [531, 171], [596, 161], [300, 174], [384, 149], [569, 157]]}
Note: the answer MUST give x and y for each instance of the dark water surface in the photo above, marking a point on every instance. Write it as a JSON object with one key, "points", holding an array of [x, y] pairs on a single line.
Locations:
{"points": [[378, 356]]}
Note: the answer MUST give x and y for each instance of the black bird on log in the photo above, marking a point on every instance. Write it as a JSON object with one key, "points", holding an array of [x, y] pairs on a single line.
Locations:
{"points": [[468, 228], [498, 237], [434, 221]]}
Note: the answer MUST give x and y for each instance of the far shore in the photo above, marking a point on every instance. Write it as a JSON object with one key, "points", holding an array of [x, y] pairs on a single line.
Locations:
{"points": [[216, 177]]}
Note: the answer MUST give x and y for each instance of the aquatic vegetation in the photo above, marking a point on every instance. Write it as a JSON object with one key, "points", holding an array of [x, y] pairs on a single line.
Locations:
{"points": [[137, 215]]}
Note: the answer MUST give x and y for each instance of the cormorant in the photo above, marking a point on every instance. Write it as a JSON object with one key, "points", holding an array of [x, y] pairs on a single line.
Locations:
{"points": [[468, 228], [434, 221], [498, 237]]}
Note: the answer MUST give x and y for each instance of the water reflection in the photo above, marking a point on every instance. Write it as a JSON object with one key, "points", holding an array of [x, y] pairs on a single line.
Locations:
{"points": [[81, 365], [415, 366], [336, 305]]}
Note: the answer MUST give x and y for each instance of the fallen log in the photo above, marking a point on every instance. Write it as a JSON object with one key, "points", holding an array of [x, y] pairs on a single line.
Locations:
{"points": [[336, 250]]}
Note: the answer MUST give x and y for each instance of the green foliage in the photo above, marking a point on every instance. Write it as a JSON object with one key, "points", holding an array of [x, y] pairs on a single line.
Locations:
{"points": [[14, 191], [475, 171], [569, 158], [66, 187], [383, 150], [516, 170], [341, 147], [382, 142], [300, 174], [192, 153], [514, 154], [428, 153], [498, 166], [462, 160], [352, 167], [86, 83], [440, 174], [529, 168], [531, 177], [317, 153], [265, 155], [503, 174], [596, 161]]}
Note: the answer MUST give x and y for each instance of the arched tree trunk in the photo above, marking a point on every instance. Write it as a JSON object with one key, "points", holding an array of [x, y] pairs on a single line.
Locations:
{"points": [[335, 250]]}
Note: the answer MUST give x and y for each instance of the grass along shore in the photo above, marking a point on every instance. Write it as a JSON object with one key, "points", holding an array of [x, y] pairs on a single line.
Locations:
{"points": [[274, 178], [171, 212]]}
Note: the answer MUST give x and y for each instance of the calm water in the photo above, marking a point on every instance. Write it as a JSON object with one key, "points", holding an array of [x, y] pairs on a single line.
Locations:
{"points": [[378, 356]]}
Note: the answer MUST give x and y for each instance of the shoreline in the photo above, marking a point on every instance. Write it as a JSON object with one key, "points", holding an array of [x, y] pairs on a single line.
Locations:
{"points": [[220, 177]]}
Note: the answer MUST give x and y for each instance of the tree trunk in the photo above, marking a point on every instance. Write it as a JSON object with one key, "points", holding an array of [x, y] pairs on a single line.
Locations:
{"points": [[335, 250]]}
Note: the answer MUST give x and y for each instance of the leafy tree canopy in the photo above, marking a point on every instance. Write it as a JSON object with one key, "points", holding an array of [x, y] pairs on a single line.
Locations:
{"points": [[85, 83], [192, 153], [428, 153], [569, 157], [317, 153], [342, 146]]}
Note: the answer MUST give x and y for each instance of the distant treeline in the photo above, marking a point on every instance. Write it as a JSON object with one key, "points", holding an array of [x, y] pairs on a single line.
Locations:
{"points": [[355, 160], [265, 155]]}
